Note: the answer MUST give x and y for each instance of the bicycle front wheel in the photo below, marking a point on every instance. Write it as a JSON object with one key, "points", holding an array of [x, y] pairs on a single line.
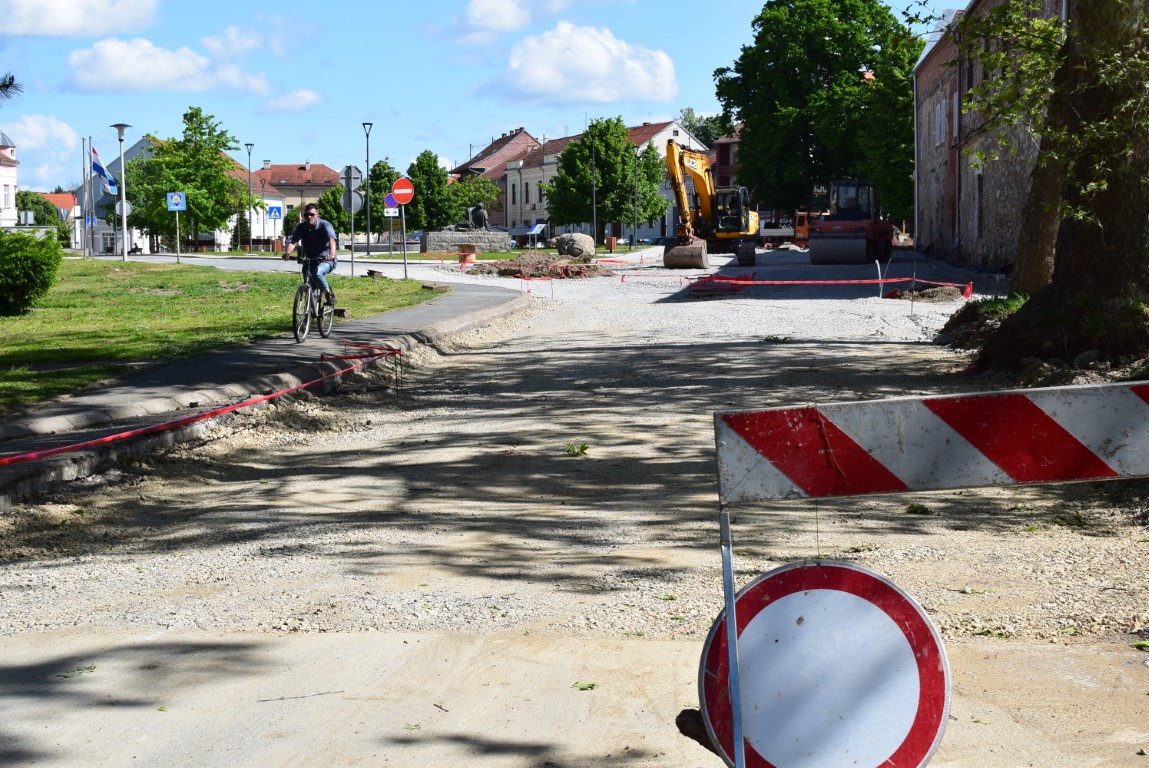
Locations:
{"points": [[301, 313], [324, 314]]}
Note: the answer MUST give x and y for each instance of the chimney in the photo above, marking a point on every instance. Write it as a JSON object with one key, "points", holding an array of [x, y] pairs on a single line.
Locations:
{"points": [[267, 165], [307, 165]]}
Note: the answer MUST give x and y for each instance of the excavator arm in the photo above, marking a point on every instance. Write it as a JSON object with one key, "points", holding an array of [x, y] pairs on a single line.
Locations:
{"points": [[693, 222], [721, 219], [683, 164]]}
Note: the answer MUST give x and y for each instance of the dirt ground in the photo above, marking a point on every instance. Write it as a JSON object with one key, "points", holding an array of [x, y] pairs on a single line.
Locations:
{"points": [[511, 559]]}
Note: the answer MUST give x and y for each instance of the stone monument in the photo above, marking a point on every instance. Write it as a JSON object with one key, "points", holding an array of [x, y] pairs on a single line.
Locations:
{"points": [[473, 230]]}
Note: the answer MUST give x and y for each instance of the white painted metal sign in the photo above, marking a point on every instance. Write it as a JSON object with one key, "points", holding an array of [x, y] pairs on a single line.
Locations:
{"points": [[1057, 434], [837, 667]]}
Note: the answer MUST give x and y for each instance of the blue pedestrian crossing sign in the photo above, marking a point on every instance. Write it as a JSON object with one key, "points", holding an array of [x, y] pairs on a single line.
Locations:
{"points": [[274, 212], [177, 201]]}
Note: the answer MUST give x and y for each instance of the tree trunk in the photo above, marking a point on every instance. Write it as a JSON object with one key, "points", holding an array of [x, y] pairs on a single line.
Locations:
{"points": [[1040, 220], [1100, 280]]}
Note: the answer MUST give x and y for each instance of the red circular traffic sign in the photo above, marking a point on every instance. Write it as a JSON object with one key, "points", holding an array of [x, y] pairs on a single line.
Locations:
{"points": [[403, 190], [837, 666]]}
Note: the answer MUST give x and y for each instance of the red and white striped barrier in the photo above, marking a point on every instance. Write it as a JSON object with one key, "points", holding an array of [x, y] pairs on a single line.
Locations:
{"points": [[1057, 434]]}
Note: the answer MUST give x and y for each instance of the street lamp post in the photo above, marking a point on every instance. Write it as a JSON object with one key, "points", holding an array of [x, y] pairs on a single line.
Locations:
{"points": [[263, 218], [634, 234], [123, 192], [249, 146], [593, 196], [367, 187]]}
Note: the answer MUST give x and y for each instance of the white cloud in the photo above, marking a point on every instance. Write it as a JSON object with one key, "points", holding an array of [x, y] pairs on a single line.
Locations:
{"points": [[233, 77], [49, 150], [83, 18], [139, 65], [585, 64], [483, 20], [233, 45], [497, 15], [296, 101]]}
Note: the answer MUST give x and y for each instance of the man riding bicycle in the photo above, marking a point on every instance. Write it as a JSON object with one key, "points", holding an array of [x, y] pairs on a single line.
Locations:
{"points": [[318, 239]]}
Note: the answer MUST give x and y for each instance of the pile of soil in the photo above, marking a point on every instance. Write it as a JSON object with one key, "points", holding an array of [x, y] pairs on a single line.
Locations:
{"points": [[541, 265]]}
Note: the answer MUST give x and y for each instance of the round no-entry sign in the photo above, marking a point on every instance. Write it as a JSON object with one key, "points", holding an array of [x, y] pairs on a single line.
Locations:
{"points": [[403, 190], [837, 666]]}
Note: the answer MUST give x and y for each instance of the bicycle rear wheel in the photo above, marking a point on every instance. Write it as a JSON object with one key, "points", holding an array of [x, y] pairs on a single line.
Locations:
{"points": [[324, 314], [301, 313]]}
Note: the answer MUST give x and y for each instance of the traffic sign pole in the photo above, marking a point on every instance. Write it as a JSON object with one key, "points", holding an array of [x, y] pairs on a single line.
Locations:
{"points": [[403, 234], [402, 192], [177, 201]]}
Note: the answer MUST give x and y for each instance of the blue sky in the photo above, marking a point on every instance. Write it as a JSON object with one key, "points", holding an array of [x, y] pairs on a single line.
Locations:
{"points": [[298, 79]]}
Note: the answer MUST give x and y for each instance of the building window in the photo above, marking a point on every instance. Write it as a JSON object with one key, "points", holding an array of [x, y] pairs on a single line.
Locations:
{"points": [[514, 195], [957, 115], [939, 124], [527, 192], [7, 196]]}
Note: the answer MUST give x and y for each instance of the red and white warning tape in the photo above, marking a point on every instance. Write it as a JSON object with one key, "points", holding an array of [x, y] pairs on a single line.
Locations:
{"points": [[379, 353]]}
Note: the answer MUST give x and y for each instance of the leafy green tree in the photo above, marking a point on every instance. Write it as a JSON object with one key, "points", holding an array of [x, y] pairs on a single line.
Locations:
{"points": [[195, 164], [431, 207], [240, 232], [9, 87], [330, 205], [1096, 121], [468, 192], [378, 185], [605, 147], [819, 76], [28, 266], [708, 130], [44, 213]]}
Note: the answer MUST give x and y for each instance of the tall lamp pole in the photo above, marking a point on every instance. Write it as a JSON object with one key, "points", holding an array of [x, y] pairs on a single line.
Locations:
{"points": [[367, 186], [634, 235], [249, 146], [593, 196], [123, 192]]}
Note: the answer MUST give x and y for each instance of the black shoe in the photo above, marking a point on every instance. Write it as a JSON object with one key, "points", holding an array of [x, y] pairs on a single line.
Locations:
{"points": [[331, 298]]}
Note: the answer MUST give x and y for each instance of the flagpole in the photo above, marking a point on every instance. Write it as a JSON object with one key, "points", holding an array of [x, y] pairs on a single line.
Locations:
{"points": [[90, 222], [83, 200]]}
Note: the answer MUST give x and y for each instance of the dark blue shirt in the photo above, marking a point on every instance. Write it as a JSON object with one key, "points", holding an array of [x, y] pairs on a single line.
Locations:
{"points": [[315, 238]]}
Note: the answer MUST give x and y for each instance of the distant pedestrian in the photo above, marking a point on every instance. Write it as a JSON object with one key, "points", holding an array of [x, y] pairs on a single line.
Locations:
{"points": [[318, 240]]}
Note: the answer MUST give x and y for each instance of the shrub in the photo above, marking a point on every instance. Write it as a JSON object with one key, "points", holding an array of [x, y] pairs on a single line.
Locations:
{"points": [[28, 267]]}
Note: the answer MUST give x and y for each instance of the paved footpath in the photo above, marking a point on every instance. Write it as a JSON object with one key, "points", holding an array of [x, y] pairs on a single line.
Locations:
{"points": [[177, 389]]}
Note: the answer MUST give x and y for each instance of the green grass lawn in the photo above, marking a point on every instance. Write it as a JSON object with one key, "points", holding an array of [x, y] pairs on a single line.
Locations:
{"points": [[102, 315]]}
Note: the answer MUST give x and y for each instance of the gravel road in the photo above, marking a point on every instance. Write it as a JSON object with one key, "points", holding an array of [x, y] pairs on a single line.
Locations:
{"points": [[548, 481]]}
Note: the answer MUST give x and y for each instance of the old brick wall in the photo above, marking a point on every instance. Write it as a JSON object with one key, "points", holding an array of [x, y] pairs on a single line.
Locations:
{"points": [[968, 212]]}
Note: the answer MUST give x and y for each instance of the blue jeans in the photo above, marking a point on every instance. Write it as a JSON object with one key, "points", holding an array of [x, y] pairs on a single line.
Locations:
{"points": [[319, 269]]}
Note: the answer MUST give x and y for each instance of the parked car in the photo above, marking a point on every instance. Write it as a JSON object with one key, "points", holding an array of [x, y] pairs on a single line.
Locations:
{"points": [[664, 241]]}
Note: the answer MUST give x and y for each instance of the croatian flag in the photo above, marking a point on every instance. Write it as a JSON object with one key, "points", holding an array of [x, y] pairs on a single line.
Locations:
{"points": [[106, 179]]}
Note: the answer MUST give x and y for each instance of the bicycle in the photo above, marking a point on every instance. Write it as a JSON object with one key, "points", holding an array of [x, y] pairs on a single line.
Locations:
{"points": [[310, 304]]}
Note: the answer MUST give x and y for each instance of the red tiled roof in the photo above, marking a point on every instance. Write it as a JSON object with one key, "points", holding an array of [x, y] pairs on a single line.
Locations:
{"points": [[493, 159], [60, 199], [638, 136], [641, 134], [319, 175]]}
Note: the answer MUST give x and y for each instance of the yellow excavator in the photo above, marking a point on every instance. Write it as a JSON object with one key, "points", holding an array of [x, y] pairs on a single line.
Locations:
{"points": [[715, 220]]}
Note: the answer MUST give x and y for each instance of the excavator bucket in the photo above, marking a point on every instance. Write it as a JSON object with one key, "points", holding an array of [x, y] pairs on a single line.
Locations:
{"points": [[689, 256]]}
